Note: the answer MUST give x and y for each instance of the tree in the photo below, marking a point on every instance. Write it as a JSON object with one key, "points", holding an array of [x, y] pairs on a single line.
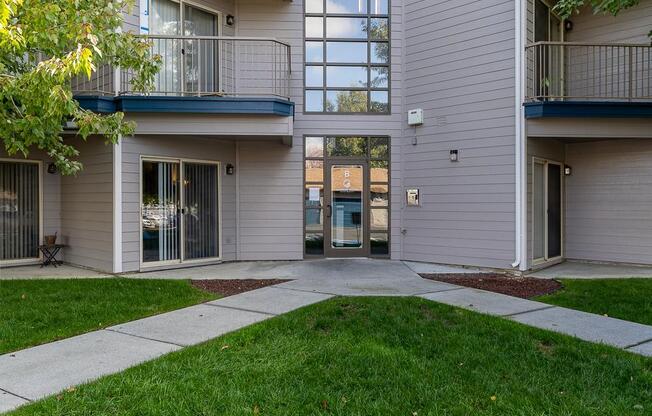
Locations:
{"points": [[44, 44], [567, 7]]}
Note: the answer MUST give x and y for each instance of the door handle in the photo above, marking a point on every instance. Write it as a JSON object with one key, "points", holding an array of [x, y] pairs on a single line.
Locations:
{"points": [[330, 211]]}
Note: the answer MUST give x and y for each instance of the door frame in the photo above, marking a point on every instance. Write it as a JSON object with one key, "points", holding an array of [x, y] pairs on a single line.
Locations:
{"points": [[344, 252], [181, 260], [545, 259], [39, 257]]}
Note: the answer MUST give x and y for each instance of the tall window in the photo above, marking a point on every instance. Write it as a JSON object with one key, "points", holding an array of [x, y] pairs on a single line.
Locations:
{"points": [[347, 56]]}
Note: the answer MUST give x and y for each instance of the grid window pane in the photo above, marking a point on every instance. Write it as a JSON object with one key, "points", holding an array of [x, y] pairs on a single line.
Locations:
{"points": [[346, 6], [379, 102], [346, 101], [314, 27], [315, 100], [314, 76], [314, 147], [379, 244], [379, 7], [315, 244], [346, 52], [379, 52], [379, 28], [379, 77], [314, 195], [379, 147], [346, 28], [346, 146], [314, 220], [379, 170], [346, 76], [314, 171], [315, 52], [379, 219], [314, 6]]}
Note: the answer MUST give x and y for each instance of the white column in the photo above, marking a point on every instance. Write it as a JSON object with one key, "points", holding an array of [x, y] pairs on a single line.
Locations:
{"points": [[117, 207]]}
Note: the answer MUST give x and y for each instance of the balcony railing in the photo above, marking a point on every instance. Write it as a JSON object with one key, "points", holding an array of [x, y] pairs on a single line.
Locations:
{"points": [[588, 72], [204, 66]]}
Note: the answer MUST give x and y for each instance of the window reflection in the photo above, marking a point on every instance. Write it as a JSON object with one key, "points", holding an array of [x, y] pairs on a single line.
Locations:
{"points": [[346, 146], [314, 147], [352, 41], [346, 101]]}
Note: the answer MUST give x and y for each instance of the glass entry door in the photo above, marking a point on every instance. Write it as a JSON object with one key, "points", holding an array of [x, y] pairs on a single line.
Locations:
{"points": [[547, 205], [346, 187], [179, 211]]}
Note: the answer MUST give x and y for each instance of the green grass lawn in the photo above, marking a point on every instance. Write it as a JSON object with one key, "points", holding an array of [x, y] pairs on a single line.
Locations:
{"points": [[33, 312], [375, 356], [629, 299]]}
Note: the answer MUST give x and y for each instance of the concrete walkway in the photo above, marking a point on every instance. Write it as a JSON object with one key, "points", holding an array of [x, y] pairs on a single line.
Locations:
{"points": [[583, 270], [44, 370]]}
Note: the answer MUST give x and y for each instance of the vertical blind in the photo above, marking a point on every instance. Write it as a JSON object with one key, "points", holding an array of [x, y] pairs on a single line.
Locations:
{"points": [[200, 226], [19, 210], [160, 207]]}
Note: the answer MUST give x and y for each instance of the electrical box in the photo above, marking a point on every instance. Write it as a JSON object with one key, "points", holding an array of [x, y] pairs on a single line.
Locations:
{"points": [[412, 197], [415, 117]]}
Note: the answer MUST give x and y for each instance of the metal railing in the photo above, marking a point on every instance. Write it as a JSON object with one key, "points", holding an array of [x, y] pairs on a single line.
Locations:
{"points": [[203, 66], [588, 71]]}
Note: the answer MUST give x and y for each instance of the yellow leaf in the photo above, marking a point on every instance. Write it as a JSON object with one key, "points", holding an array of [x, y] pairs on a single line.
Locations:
{"points": [[224, 347], [23, 296], [493, 398]]}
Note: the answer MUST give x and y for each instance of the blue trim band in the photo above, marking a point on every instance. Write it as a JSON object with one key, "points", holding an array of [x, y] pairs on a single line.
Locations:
{"points": [[188, 105], [608, 109]]}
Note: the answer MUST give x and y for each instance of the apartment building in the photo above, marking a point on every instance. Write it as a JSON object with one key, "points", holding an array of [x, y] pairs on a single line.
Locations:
{"points": [[482, 133]]}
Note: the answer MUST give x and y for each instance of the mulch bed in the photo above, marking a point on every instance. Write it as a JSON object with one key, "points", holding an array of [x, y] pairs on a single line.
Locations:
{"points": [[232, 287], [522, 287]]}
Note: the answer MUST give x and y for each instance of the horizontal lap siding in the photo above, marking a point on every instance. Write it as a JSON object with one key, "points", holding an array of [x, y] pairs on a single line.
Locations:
{"points": [[174, 147], [283, 169], [87, 207], [459, 64], [608, 200], [631, 26]]}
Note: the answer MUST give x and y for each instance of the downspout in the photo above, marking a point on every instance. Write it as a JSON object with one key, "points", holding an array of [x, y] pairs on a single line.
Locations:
{"points": [[519, 133]]}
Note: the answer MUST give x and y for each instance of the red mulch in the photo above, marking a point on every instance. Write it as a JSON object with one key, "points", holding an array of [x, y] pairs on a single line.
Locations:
{"points": [[232, 287], [522, 287]]}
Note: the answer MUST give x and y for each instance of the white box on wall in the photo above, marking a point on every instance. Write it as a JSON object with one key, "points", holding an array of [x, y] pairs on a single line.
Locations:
{"points": [[415, 117]]}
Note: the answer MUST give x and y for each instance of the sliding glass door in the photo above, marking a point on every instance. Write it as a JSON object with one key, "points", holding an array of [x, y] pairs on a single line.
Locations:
{"points": [[190, 65], [20, 209], [179, 211]]}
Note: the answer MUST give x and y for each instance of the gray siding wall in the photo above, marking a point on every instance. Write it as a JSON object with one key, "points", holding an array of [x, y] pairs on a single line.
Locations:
{"points": [[284, 21], [630, 26], [547, 149], [459, 66], [87, 207], [175, 147], [608, 200]]}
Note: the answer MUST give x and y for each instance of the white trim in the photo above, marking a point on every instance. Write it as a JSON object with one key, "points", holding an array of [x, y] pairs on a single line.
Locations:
{"points": [[181, 261], [39, 258], [520, 165], [117, 207]]}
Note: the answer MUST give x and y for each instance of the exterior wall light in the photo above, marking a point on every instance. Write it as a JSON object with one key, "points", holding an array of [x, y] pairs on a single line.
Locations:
{"points": [[568, 171], [454, 156], [568, 25], [52, 168], [230, 20], [230, 169]]}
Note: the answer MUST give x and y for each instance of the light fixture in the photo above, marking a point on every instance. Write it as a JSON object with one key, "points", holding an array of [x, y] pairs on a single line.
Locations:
{"points": [[52, 168], [568, 171], [454, 155], [230, 20], [568, 25], [230, 169]]}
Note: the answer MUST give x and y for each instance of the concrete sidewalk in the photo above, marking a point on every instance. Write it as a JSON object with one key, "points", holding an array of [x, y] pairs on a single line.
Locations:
{"points": [[44, 370]]}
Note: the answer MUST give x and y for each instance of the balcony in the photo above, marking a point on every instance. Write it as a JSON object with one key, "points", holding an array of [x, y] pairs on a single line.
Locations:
{"points": [[588, 80], [201, 75]]}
